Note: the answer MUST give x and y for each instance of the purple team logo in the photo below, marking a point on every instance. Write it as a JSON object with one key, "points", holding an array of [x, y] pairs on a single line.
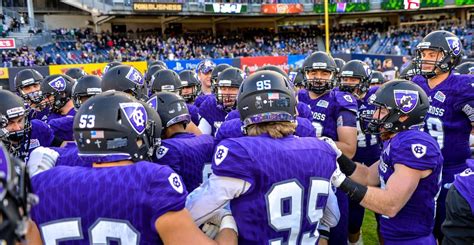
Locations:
{"points": [[134, 76], [59, 84], [406, 100], [153, 103], [136, 115], [454, 45]]}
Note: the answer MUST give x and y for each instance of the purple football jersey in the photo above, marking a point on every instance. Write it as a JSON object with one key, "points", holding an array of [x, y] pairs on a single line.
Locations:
{"points": [[94, 205], [55, 115], [304, 110], [417, 150], [326, 110], [290, 181], [194, 112], [201, 98], [40, 115], [68, 156], [233, 115], [62, 127], [233, 129], [464, 183], [186, 154], [447, 119], [368, 145], [40, 135], [212, 112]]}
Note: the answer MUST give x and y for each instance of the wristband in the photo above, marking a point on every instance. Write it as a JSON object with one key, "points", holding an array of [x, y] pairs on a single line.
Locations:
{"points": [[354, 190], [228, 222], [346, 165]]}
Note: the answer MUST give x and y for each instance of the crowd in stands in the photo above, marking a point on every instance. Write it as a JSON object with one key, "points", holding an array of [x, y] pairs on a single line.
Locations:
{"points": [[86, 46]]}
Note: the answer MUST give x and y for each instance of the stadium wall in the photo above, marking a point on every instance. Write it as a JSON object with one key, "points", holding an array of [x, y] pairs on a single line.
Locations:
{"points": [[67, 21], [248, 64]]}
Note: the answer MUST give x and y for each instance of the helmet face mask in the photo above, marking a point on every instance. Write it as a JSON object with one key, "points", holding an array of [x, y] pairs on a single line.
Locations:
{"points": [[56, 91], [14, 121], [399, 105], [227, 87], [189, 85], [226, 96], [189, 93], [354, 78], [438, 53], [430, 62], [318, 81], [319, 72]]}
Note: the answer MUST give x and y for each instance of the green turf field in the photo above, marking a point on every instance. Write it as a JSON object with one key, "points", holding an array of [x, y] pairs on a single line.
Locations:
{"points": [[369, 229]]}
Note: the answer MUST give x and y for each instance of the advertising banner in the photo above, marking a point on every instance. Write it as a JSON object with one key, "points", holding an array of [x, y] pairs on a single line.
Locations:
{"points": [[251, 64], [157, 7], [343, 7], [282, 8], [464, 2], [179, 65], [226, 8], [94, 69], [7, 43], [410, 4], [3, 73]]}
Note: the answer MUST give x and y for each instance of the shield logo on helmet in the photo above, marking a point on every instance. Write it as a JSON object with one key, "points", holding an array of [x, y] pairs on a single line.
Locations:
{"points": [[454, 44], [59, 84], [406, 100], [134, 76], [136, 115], [153, 103]]}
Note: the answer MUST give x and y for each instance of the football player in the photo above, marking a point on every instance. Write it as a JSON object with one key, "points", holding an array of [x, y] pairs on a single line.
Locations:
{"points": [[355, 77], [122, 197], [110, 65], [204, 72], [57, 95], [126, 79], [376, 78], [334, 112], [184, 152], [75, 73], [151, 72], [189, 88], [450, 118], [157, 62], [165, 81], [15, 202], [28, 86], [214, 109], [85, 88], [20, 134], [459, 222], [276, 191], [409, 169], [298, 80], [334, 116]]}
